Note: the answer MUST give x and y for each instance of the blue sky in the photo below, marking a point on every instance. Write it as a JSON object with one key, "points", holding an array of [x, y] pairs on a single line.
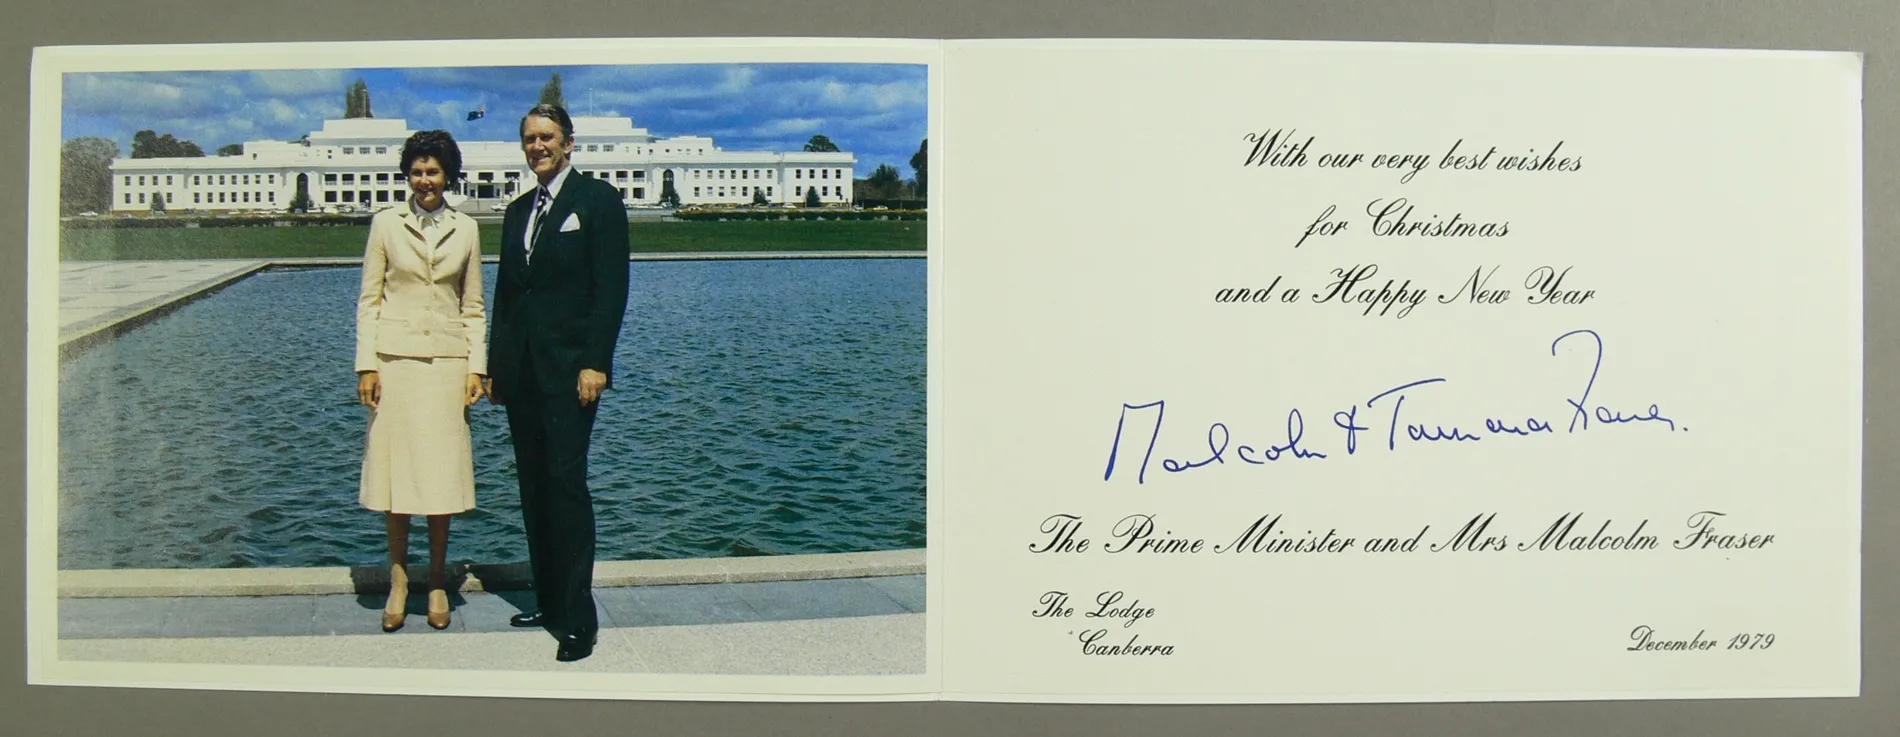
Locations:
{"points": [[877, 111]]}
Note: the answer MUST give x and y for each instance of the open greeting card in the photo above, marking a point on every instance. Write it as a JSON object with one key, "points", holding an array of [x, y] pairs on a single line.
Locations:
{"points": [[1048, 371]]}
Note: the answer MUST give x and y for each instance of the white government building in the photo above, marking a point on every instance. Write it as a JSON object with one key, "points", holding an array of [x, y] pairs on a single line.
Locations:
{"points": [[351, 165]]}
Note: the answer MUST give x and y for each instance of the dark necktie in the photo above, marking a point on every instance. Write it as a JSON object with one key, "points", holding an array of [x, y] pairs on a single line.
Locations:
{"points": [[541, 201]]}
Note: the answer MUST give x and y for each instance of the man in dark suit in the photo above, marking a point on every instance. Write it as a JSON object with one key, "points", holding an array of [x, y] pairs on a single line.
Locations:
{"points": [[560, 296]]}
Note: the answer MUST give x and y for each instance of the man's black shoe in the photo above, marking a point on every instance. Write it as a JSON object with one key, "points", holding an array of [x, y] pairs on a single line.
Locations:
{"points": [[574, 648], [528, 619]]}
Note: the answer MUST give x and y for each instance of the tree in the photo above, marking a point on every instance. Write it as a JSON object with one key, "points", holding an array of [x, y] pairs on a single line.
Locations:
{"points": [[885, 184], [668, 196], [85, 175], [811, 197], [551, 93], [821, 144], [301, 202], [231, 149], [758, 196], [920, 161], [356, 100], [149, 145]]}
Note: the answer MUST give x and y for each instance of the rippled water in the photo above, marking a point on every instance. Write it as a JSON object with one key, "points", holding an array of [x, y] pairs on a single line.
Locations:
{"points": [[759, 407]]}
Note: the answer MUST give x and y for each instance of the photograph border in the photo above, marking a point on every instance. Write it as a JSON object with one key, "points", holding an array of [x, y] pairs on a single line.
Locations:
{"points": [[44, 667]]}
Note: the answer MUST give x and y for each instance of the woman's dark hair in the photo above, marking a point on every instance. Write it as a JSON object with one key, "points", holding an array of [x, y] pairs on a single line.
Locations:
{"points": [[552, 112], [438, 145]]}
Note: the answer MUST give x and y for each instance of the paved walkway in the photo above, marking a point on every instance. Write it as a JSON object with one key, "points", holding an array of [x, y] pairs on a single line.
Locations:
{"points": [[851, 626], [97, 296]]}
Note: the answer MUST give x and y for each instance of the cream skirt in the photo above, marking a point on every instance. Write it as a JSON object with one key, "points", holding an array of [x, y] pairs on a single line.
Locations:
{"points": [[418, 458]]}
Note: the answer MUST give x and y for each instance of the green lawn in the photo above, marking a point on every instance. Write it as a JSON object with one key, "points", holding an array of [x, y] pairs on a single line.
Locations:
{"points": [[348, 240]]}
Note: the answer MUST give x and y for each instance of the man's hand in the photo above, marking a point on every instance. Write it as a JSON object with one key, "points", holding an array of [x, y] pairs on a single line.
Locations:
{"points": [[488, 387], [591, 384], [475, 390]]}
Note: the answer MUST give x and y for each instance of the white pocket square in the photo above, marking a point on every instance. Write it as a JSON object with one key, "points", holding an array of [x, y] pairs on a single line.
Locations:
{"points": [[572, 223]]}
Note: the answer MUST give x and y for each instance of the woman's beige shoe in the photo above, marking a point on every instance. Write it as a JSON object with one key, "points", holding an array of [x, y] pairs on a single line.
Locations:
{"points": [[398, 605], [439, 609]]}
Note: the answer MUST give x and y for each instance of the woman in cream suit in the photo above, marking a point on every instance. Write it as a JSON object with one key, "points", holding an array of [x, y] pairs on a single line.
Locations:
{"points": [[420, 361]]}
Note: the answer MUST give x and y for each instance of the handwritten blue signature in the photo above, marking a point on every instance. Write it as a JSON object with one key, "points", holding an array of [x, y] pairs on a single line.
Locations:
{"points": [[1221, 447]]}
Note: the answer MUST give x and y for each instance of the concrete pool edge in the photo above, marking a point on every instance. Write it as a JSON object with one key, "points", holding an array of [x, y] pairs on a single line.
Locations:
{"points": [[305, 261], [106, 327], [76, 339], [192, 582]]}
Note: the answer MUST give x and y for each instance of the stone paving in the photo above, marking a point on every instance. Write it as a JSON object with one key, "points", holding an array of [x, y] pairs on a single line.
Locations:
{"points": [[97, 296], [851, 626]]}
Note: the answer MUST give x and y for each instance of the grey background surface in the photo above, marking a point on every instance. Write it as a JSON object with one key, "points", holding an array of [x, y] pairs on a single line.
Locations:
{"points": [[1870, 26]]}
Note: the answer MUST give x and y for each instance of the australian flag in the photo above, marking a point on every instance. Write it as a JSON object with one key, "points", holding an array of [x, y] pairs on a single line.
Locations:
{"points": [[478, 113]]}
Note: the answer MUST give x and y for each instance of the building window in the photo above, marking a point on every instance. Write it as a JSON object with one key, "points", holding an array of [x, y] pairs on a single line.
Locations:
{"points": [[607, 147], [623, 193], [399, 195], [382, 177], [273, 179], [695, 173], [329, 179], [128, 183], [695, 192], [273, 198], [330, 197], [168, 180], [349, 196], [141, 180], [141, 198], [593, 148], [382, 195], [349, 179], [197, 198], [382, 149], [639, 193], [349, 150], [620, 176], [639, 176], [798, 173], [128, 196], [768, 191], [194, 180], [800, 191]]}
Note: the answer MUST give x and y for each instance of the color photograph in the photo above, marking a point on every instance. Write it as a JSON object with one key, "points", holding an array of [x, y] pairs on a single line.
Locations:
{"points": [[595, 368]]}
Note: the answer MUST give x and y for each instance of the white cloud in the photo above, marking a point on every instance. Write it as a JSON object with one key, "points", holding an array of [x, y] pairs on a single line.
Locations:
{"points": [[299, 83], [788, 126], [738, 80]]}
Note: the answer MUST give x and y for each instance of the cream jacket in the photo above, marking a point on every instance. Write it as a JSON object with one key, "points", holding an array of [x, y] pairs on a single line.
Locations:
{"points": [[421, 299]]}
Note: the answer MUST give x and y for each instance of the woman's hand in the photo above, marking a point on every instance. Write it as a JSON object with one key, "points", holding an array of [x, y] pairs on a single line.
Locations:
{"points": [[369, 388], [475, 389]]}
